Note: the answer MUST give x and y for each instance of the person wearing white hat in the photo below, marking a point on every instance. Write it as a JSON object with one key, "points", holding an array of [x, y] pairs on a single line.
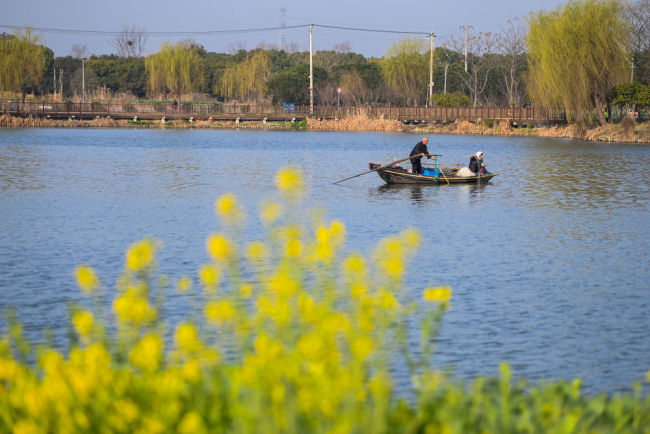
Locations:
{"points": [[476, 163]]}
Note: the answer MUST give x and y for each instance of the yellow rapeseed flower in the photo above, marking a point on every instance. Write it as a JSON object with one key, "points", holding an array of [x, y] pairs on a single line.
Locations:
{"points": [[386, 300], [140, 255], [86, 278], [293, 248], [393, 266], [283, 283], [220, 311], [187, 338], [411, 238], [361, 347], [441, 294], [133, 307], [191, 424], [147, 353], [209, 275], [256, 251], [83, 322], [358, 289], [337, 230], [27, 426], [219, 247], [127, 410], [191, 370], [277, 394], [276, 310], [184, 284], [270, 213], [228, 208], [354, 266], [246, 290], [289, 180]]}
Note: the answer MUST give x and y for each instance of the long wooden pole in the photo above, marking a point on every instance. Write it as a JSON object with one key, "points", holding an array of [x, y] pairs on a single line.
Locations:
{"points": [[384, 166]]}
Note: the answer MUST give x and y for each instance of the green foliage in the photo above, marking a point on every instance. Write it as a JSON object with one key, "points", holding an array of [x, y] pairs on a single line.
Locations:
{"points": [[634, 96], [487, 123], [577, 53], [176, 68], [119, 74], [247, 78], [453, 99], [370, 72], [405, 69], [292, 84], [22, 62], [299, 125], [643, 101]]}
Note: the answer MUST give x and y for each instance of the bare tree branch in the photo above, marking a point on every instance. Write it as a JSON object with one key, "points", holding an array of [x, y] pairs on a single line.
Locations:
{"points": [[130, 42], [79, 51], [512, 45], [478, 60]]}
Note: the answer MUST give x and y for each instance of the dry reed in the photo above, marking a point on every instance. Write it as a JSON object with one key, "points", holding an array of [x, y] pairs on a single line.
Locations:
{"points": [[360, 122]]}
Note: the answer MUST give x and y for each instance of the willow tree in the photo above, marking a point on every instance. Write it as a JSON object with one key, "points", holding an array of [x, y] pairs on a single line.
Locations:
{"points": [[22, 62], [405, 69], [176, 68], [577, 54], [246, 79]]}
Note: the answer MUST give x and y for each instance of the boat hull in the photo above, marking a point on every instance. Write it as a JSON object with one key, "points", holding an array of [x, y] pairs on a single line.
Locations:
{"points": [[397, 175]]}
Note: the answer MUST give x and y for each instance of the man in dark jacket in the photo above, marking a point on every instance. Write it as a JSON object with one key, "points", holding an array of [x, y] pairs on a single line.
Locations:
{"points": [[417, 152]]}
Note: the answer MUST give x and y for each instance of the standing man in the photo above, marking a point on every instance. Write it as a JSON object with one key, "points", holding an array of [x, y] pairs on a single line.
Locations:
{"points": [[416, 154]]}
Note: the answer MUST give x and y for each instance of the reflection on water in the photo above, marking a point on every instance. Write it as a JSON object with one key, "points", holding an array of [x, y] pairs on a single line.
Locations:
{"points": [[21, 168], [419, 193], [548, 262], [586, 180]]}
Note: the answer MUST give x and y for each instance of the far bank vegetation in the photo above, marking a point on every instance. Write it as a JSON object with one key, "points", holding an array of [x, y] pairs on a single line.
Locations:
{"points": [[599, 69]]}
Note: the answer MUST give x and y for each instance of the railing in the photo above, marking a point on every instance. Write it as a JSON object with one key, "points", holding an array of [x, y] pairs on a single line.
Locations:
{"points": [[440, 114]]}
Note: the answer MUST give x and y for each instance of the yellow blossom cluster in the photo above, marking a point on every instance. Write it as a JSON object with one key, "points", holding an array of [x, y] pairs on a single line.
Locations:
{"points": [[303, 331]]}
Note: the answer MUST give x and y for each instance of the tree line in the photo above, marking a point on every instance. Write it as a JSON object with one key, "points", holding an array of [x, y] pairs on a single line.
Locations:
{"points": [[575, 57]]}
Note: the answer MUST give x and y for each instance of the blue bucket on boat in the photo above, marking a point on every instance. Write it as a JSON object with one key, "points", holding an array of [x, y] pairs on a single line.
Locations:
{"points": [[431, 172]]}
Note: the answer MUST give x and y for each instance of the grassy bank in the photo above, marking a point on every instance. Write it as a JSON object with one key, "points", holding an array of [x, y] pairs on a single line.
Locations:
{"points": [[627, 131]]}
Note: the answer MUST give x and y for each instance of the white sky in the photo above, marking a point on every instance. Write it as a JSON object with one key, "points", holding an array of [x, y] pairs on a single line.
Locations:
{"points": [[442, 16]]}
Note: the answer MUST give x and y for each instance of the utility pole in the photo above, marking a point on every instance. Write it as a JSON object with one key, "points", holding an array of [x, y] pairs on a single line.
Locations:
{"points": [[311, 72], [54, 83], [61, 83], [83, 80], [430, 90], [466, 28], [446, 66]]}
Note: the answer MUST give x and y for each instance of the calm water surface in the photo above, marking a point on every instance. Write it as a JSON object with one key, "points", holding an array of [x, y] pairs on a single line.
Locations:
{"points": [[549, 263]]}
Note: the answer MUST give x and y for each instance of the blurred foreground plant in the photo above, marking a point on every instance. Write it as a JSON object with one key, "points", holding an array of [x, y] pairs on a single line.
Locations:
{"points": [[288, 335]]}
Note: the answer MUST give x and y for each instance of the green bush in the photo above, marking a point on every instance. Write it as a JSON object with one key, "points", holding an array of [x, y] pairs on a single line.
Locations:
{"points": [[453, 99]]}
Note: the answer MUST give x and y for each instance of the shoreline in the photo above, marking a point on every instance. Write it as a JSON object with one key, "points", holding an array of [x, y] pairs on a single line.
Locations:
{"points": [[637, 133]]}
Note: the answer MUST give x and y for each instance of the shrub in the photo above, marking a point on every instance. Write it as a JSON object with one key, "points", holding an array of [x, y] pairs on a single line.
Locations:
{"points": [[452, 99], [628, 124]]}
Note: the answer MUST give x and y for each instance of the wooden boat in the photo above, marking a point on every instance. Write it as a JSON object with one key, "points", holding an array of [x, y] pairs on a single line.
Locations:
{"points": [[396, 174]]}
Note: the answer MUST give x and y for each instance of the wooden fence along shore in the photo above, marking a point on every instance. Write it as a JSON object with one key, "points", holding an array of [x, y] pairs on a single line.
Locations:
{"points": [[286, 112]]}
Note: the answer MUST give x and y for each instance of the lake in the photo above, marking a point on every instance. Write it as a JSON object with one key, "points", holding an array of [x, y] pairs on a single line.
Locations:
{"points": [[549, 263]]}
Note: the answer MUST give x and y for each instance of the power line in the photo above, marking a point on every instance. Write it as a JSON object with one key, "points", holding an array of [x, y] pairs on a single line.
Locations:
{"points": [[357, 29], [209, 32]]}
